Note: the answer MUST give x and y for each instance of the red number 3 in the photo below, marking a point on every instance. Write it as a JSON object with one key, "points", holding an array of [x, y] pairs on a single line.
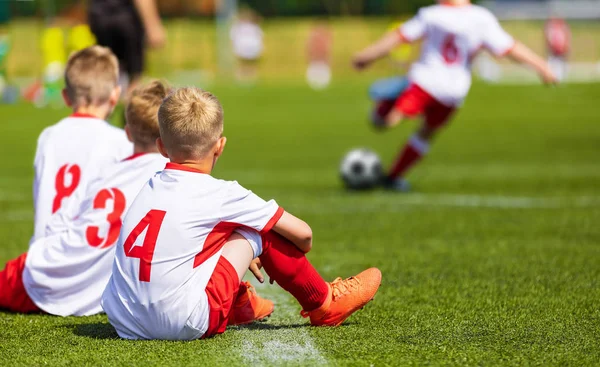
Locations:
{"points": [[153, 220], [63, 191], [450, 50], [113, 218]]}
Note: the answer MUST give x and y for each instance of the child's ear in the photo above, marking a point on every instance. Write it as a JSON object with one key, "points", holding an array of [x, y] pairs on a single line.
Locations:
{"points": [[128, 133], [161, 147], [115, 95], [220, 146], [66, 98]]}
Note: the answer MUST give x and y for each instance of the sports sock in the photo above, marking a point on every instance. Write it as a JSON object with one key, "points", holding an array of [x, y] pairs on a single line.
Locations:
{"points": [[414, 150], [289, 267]]}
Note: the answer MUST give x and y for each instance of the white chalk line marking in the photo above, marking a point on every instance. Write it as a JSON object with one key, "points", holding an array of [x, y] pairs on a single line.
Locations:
{"points": [[284, 346]]}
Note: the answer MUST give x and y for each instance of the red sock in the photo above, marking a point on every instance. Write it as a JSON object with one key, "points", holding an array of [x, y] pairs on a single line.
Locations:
{"points": [[289, 267], [411, 154]]}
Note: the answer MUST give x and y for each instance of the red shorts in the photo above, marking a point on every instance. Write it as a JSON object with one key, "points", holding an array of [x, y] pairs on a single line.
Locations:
{"points": [[13, 296], [222, 290], [415, 101]]}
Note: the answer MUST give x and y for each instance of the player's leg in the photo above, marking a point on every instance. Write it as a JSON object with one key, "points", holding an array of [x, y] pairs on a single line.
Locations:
{"points": [[436, 116], [327, 304], [13, 296], [385, 92], [233, 302]]}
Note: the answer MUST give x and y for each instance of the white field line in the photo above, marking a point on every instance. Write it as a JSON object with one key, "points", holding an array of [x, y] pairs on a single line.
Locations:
{"points": [[284, 346]]}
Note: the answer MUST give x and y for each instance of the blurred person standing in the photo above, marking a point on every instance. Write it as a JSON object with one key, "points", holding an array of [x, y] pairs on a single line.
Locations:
{"points": [[247, 43], [126, 27], [558, 43], [318, 49]]}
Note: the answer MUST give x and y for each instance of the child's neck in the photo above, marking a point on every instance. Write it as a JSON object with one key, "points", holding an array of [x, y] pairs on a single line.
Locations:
{"points": [[203, 165], [144, 150], [456, 2], [102, 111]]}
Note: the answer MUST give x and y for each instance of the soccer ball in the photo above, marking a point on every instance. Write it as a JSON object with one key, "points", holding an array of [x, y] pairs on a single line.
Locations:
{"points": [[361, 169]]}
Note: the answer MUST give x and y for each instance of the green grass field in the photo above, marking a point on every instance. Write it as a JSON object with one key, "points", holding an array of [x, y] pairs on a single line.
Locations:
{"points": [[493, 259]]}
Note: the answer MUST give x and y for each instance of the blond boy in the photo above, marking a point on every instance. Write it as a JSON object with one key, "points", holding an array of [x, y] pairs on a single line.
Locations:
{"points": [[64, 272], [70, 153], [179, 264]]}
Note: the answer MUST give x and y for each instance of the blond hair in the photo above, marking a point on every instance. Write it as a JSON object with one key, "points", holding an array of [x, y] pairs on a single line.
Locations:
{"points": [[190, 122], [142, 112], [91, 76]]}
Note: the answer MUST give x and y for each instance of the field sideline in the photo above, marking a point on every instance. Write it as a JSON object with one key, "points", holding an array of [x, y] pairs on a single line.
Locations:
{"points": [[494, 259]]}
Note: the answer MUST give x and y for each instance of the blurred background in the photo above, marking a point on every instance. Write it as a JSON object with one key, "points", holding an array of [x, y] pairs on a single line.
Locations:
{"points": [[37, 36]]}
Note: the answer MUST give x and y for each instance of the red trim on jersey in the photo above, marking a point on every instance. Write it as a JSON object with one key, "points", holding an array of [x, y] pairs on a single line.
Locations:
{"points": [[509, 49], [215, 241], [271, 223], [181, 167], [134, 156], [83, 115], [402, 36], [449, 3]]}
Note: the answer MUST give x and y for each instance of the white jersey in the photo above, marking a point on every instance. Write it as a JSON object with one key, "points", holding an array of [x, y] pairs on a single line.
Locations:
{"points": [[452, 36], [247, 40], [66, 272], [68, 157], [171, 241]]}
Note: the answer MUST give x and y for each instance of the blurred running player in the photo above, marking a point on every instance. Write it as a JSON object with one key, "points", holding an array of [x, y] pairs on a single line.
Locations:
{"points": [[558, 43], [64, 272], [70, 153], [178, 265], [126, 26], [318, 52], [453, 32]]}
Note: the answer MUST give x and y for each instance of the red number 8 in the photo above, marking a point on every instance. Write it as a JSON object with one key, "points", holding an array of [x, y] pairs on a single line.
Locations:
{"points": [[450, 51], [113, 218], [63, 191]]}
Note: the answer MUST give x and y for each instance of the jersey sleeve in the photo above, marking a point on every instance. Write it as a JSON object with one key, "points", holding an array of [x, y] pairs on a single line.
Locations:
{"points": [[243, 207], [496, 39], [414, 29]]}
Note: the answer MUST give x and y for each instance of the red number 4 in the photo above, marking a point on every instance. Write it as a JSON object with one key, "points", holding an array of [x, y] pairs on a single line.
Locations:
{"points": [[153, 220]]}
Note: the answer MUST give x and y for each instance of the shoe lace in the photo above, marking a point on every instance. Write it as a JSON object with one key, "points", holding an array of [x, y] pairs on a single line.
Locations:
{"points": [[340, 287], [250, 287]]}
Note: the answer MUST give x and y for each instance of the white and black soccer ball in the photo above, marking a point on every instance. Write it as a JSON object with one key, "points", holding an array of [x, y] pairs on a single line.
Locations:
{"points": [[361, 169]]}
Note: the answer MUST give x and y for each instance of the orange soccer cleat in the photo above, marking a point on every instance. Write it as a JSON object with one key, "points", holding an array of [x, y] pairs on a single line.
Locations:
{"points": [[249, 307], [346, 297]]}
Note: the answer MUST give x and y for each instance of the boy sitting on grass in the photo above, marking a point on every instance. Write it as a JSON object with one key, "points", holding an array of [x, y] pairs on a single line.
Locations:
{"points": [[70, 153], [65, 272], [178, 265]]}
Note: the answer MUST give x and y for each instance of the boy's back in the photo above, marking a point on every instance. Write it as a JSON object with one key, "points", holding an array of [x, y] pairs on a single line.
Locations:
{"points": [[452, 37], [177, 225], [69, 155]]}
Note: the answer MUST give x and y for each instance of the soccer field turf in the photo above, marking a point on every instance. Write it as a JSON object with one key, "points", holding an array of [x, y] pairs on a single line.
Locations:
{"points": [[493, 259]]}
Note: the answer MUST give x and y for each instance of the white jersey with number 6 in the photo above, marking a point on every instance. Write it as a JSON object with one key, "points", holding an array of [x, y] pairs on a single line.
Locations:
{"points": [[452, 36], [66, 272], [69, 156], [171, 240]]}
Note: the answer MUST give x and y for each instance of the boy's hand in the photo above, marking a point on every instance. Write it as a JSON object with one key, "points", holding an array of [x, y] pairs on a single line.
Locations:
{"points": [[359, 62], [548, 77], [255, 267]]}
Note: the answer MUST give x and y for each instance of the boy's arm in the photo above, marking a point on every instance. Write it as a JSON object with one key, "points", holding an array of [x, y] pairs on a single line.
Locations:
{"points": [[295, 230], [524, 55], [154, 29], [377, 50]]}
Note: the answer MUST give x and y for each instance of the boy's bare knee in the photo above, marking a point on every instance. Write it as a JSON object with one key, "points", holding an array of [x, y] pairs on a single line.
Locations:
{"points": [[394, 118]]}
